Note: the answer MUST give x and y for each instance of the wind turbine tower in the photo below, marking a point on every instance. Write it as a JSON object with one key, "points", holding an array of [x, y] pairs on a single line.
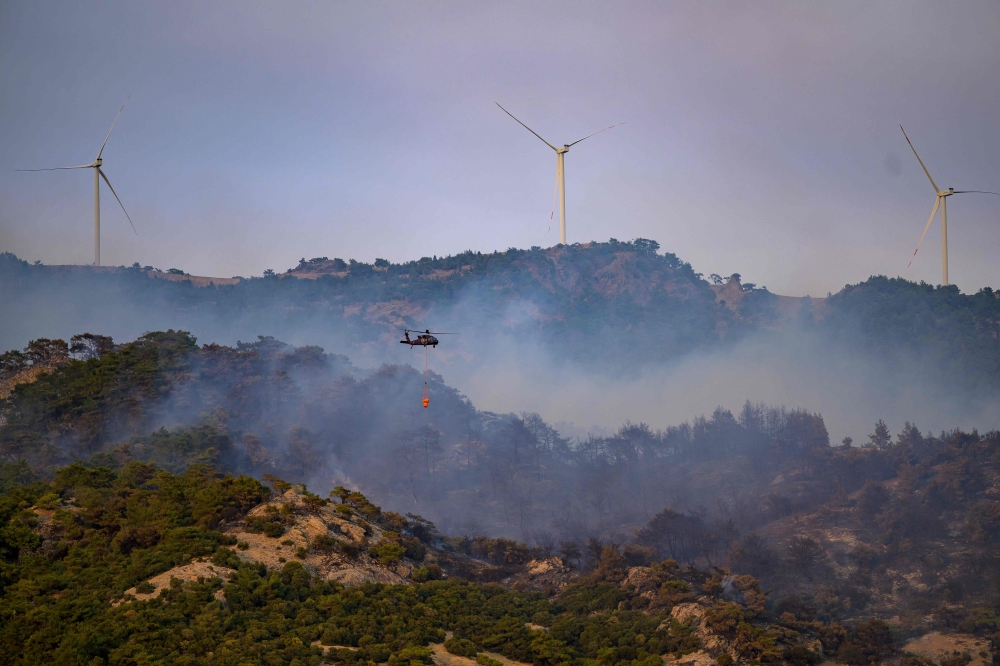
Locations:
{"points": [[940, 199], [98, 174], [560, 170]]}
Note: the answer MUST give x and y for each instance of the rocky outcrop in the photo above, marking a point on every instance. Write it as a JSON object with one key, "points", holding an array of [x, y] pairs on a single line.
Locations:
{"points": [[546, 575], [331, 541]]}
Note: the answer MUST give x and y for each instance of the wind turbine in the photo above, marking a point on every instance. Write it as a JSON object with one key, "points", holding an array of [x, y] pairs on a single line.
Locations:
{"points": [[940, 199], [96, 166], [560, 187]]}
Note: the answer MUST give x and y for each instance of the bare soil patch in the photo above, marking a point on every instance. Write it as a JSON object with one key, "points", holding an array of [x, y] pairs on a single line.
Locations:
{"points": [[936, 646], [186, 573]]}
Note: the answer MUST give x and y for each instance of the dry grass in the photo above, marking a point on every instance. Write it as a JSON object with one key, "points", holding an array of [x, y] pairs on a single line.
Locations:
{"points": [[186, 573], [937, 646], [26, 376]]}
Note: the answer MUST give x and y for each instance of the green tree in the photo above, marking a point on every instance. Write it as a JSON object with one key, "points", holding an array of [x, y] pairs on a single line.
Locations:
{"points": [[880, 439]]}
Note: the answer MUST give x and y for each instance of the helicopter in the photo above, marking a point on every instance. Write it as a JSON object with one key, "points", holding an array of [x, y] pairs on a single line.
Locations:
{"points": [[425, 339]]}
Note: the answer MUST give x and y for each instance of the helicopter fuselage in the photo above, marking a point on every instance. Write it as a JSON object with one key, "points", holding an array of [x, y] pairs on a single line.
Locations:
{"points": [[422, 340]]}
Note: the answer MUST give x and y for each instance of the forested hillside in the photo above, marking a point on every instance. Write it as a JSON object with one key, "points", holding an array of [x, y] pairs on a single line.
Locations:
{"points": [[693, 492], [80, 554], [933, 327], [266, 407], [846, 538], [136, 565]]}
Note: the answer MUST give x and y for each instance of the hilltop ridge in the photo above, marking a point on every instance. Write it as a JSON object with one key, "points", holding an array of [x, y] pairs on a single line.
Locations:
{"points": [[613, 307]]}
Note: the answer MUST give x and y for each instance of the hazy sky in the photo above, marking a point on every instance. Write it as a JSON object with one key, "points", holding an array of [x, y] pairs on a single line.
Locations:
{"points": [[760, 139]]}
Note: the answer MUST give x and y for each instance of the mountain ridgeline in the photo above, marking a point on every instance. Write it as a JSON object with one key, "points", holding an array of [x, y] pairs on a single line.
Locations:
{"points": [[613, 308]]}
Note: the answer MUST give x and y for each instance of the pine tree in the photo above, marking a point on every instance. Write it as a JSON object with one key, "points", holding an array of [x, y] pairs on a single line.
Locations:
{"points": [[880, 439]]}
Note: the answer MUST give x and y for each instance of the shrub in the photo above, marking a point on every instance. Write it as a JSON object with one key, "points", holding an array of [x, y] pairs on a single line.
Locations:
{"points": [[324, 543], [797, 655], [411, 656], [483, 660], [413, 548], [386, 552], [634, 555], [723, 618], [48, 501], [343, 656], [500, 550], [224, 557], [270, 527], [981, 620], [334, 635], [273, 530], [313, 503], [145, 587], [957, 659], [378, 652], [869, 642], [424, 574], [673, 592], [301, 552], [243, 545], [542, 619], [462, 647]]}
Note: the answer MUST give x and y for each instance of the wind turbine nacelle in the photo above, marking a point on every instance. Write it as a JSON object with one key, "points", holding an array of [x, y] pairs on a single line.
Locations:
{"points": [[98, 162]]}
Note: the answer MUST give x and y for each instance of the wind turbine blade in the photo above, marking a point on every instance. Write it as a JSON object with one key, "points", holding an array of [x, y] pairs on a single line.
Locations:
{"points": [[555, 195], [82, 166], [527, 128], [937, 202], [119, 200], [936, 189], [595, 133], [109, 131], [976, 192]]}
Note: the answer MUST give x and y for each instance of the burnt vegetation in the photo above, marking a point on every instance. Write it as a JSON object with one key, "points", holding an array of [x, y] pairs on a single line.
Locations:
{"points": [[266, 407], [904, 526]]}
